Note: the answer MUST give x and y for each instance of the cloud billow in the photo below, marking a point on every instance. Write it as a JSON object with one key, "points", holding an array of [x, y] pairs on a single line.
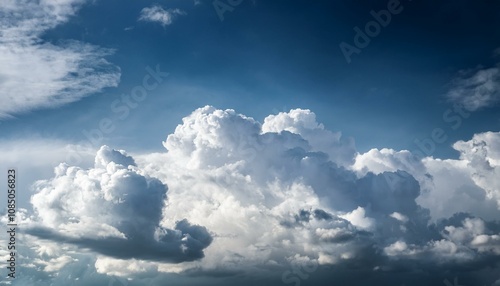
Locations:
{"points": [[156, 14], [113, 209], [304, 192], [276, 195]]}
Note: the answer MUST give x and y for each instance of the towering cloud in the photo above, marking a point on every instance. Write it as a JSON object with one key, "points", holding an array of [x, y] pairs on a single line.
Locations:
{"points": [[285, 181], [284, 200]]}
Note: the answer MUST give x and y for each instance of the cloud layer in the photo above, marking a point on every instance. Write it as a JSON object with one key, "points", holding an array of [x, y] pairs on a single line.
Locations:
{"points": [[279, 201]]}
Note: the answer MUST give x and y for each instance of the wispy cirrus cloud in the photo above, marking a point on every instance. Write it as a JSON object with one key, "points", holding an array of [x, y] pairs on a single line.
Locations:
{"points": [[157, 14], [38, 74], [476, 89]]}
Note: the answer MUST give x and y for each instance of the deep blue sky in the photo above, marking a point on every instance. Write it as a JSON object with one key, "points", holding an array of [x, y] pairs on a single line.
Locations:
{"points": [[271, 56]]}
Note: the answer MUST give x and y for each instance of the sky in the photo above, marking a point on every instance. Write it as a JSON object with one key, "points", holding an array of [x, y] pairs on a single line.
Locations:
{"points": [[251, 142]]}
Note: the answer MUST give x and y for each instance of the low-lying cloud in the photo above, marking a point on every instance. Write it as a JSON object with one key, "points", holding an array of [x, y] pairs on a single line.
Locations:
{"points": [[247, 199], [113, 209]]}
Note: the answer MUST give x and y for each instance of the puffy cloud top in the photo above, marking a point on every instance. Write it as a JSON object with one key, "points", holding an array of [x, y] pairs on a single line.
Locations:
{"points": [[286, 181], [482, 155]]}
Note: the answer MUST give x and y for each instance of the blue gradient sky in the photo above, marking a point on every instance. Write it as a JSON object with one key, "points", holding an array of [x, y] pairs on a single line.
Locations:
{"points": [[267, 57]]}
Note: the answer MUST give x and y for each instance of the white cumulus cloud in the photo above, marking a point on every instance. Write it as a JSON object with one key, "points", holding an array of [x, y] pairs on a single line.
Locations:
{"points": [[236, 198], [157, 14], [469, 184]]}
